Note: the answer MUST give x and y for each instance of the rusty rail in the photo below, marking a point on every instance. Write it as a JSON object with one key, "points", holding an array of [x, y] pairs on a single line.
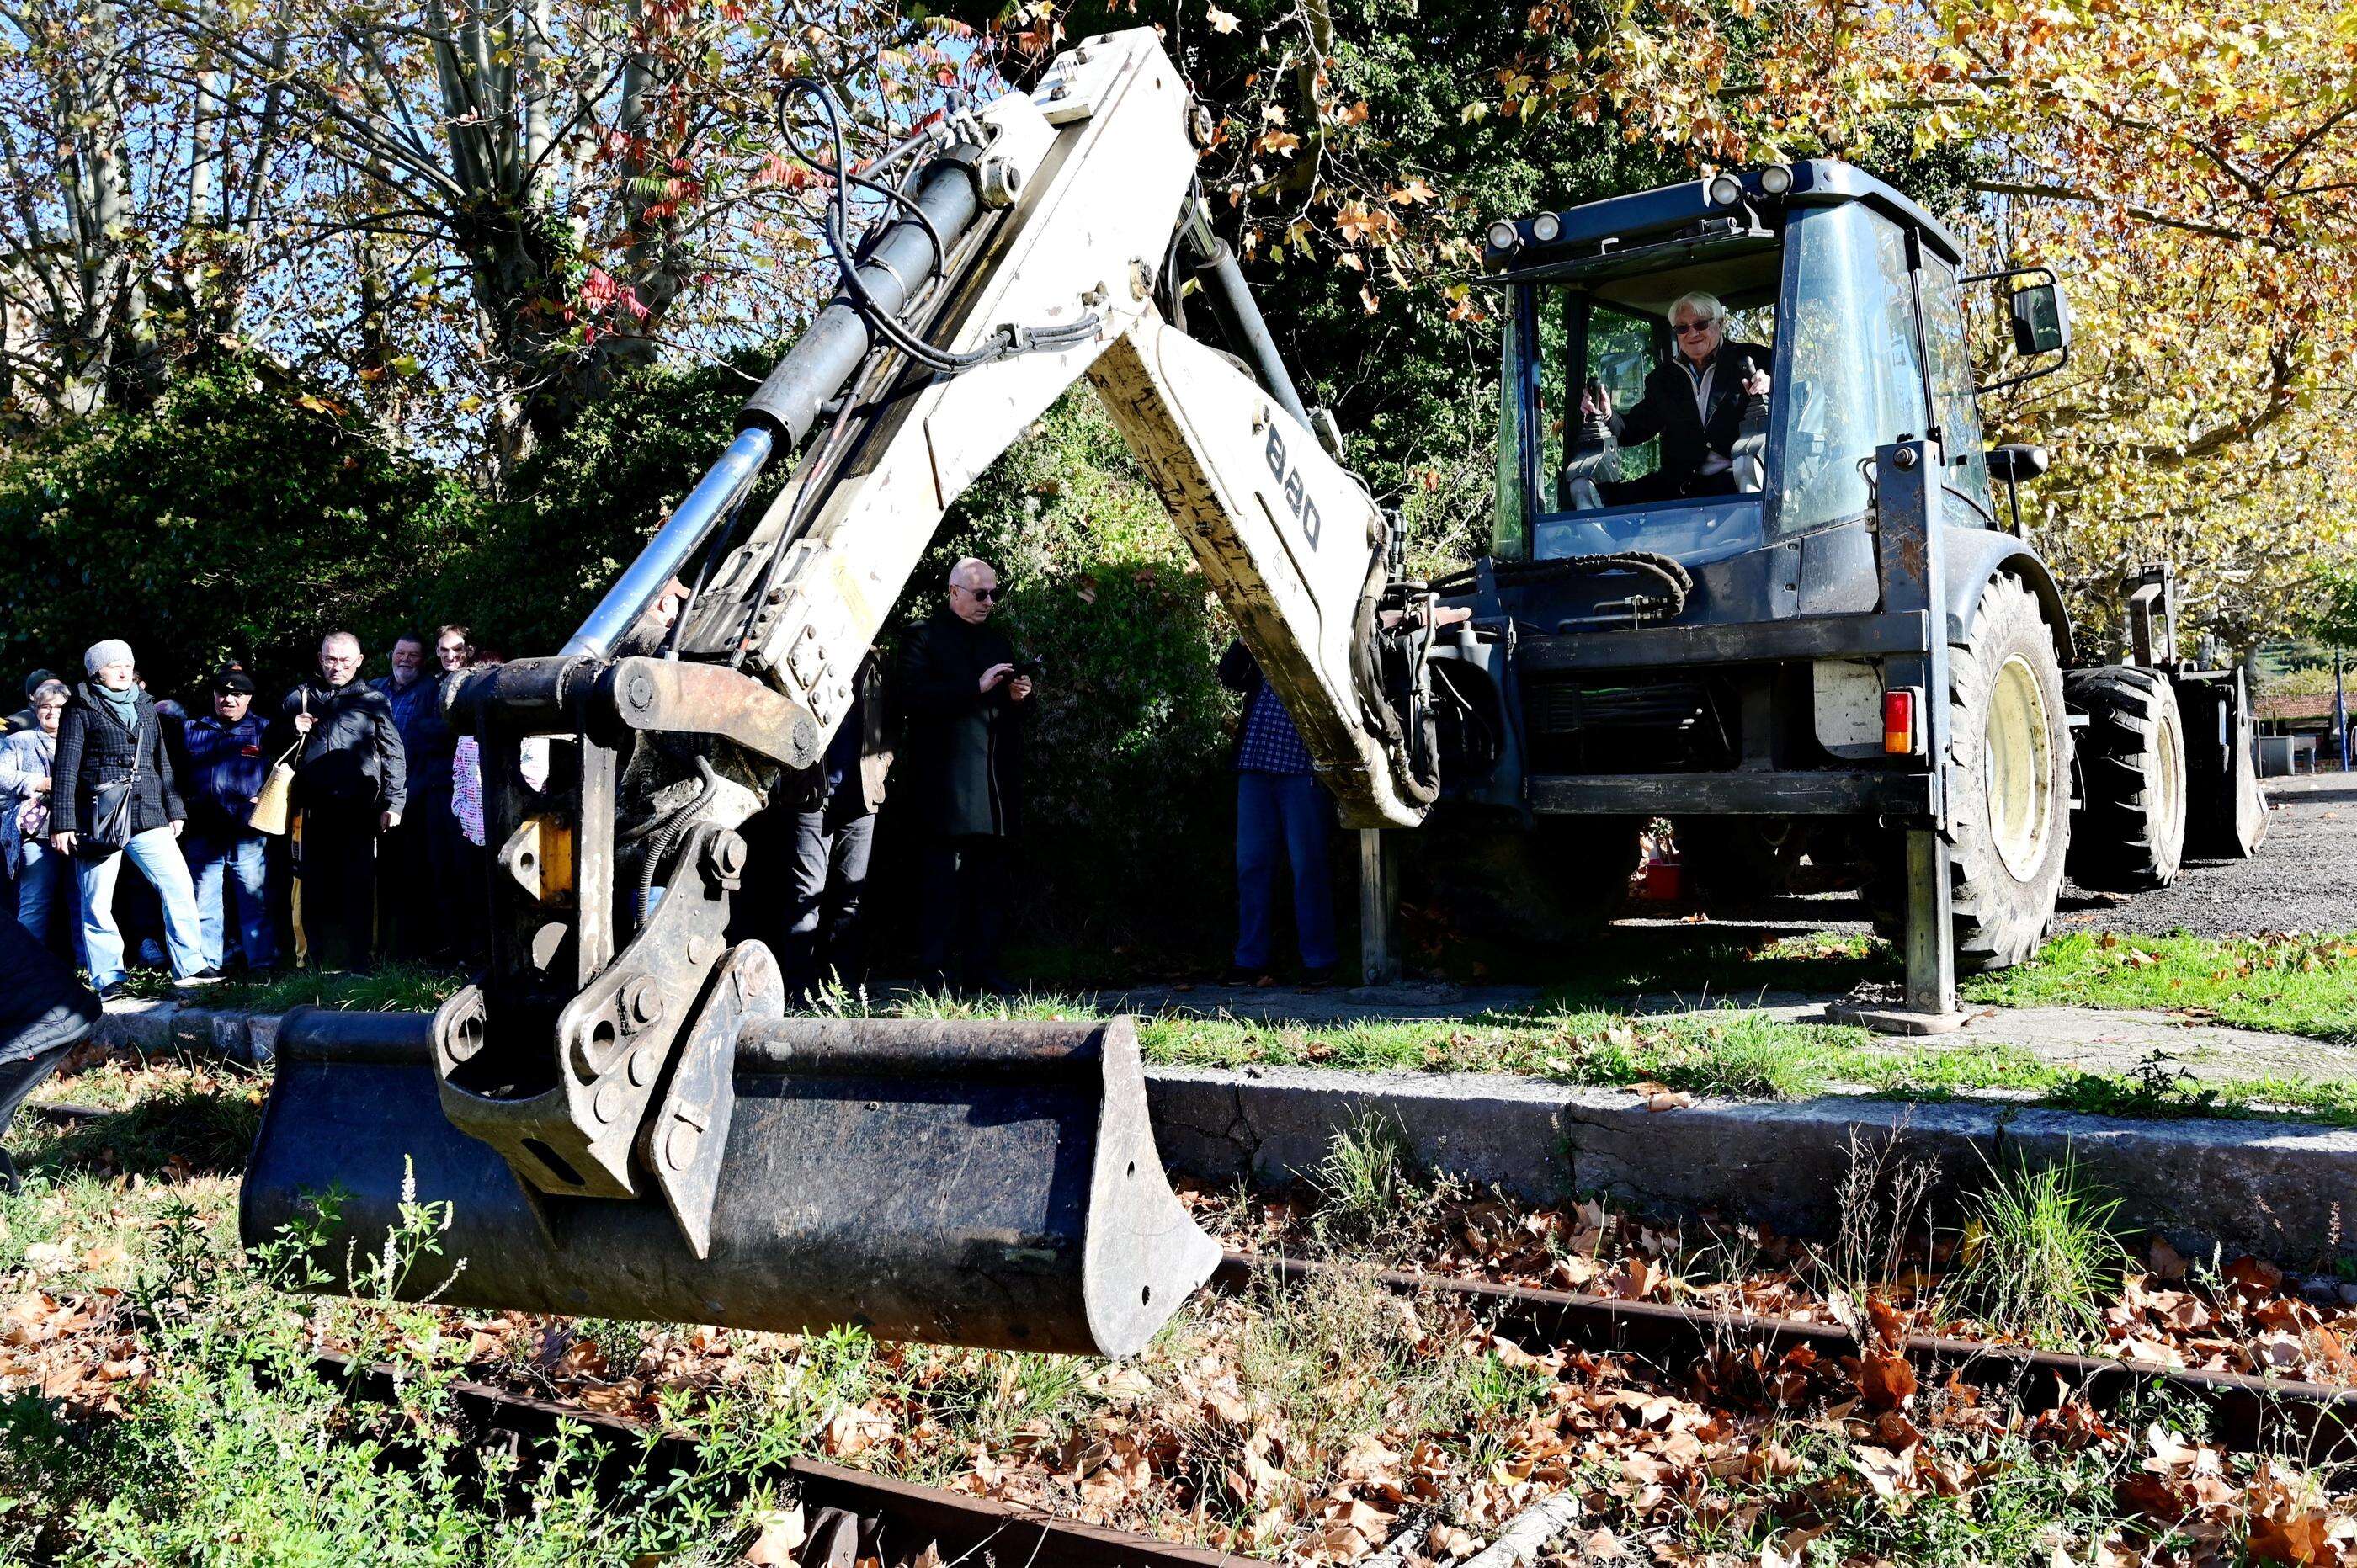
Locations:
{"points": [[2248, 1413], [893, 1520]]}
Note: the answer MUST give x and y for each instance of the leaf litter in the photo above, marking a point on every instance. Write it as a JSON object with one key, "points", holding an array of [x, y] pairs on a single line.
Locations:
{"points": [[1325, 1427]]}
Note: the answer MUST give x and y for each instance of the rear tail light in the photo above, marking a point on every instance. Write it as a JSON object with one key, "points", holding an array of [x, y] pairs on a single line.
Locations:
{"points": [[1901, 708]]}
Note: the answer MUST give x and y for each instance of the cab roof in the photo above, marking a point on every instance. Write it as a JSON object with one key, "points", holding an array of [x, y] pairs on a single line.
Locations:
{"points": [[1671, 210]]}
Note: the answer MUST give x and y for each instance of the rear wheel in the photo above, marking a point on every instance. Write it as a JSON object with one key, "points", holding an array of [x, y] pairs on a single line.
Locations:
{"points": [[2009, 752], [2131, 836]]}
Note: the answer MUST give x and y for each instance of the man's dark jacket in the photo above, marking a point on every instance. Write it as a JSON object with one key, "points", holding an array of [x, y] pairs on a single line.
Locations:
{"points": [[223, 768], [352, 756], [863, 745], [1667, 408], [429, 747], [962, 745], [94, 748]]}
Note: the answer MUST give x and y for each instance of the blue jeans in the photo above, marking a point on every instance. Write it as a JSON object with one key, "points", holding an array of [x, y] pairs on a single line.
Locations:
{"points": [[241, 855], [156, 853], [38, 877], [1282, 817]]}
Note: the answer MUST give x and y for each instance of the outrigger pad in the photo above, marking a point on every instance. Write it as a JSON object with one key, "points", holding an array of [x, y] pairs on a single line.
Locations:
{"points": [[985, 1183]]}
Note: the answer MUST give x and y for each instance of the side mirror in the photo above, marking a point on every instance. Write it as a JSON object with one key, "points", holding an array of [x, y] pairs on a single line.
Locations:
{"points": [[2013, 463], [2042, 321]]}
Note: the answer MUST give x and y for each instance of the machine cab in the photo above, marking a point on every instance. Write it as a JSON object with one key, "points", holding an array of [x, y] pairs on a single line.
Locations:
{"points": [[1838, 290]]}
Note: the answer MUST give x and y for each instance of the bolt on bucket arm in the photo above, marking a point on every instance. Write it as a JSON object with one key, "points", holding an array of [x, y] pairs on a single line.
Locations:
{"points": [[606, 1110]]}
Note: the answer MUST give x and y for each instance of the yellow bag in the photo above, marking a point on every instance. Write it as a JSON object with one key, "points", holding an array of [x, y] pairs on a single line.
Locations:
{"points": [[270, 807]]}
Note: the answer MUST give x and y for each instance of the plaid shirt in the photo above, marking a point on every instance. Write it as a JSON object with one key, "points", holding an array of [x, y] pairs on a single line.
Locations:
{"points": [[467, 788], [1271, 743]]}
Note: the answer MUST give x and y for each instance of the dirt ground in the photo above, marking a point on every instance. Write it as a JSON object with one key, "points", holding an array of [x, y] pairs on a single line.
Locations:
{"points": [[2303, 878]]}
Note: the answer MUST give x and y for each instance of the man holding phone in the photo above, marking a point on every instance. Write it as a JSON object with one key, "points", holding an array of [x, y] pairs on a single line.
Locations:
{"points": [[964, 691]]}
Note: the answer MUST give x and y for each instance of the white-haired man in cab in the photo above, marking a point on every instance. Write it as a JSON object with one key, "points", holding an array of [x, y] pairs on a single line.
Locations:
{"points": [[1697, 404]]}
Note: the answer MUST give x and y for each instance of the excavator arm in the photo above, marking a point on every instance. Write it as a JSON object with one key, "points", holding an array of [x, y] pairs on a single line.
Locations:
{"points": [[619, 1114]]}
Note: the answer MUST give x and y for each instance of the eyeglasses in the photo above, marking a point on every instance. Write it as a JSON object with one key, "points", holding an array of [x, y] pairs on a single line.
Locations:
{"points": [[987, 596], [1689, 329]]}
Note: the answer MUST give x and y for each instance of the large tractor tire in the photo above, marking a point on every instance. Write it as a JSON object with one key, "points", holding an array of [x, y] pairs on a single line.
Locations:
{"points": [[1740, 860], [2226, 812], [2008, 757], [2130, 838], [1563, 879]]}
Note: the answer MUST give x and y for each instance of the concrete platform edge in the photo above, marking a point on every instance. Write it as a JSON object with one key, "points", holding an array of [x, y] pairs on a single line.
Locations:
{"points": [[2286, 1191]]}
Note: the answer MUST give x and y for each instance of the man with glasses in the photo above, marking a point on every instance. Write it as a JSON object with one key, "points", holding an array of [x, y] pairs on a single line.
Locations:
{"points": [[1710, 394], [963, 693], [351, 781]]}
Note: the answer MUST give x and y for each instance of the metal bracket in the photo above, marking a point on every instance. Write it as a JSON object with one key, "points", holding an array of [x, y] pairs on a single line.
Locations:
{"points": [[682, 1143], [612, 1042]]}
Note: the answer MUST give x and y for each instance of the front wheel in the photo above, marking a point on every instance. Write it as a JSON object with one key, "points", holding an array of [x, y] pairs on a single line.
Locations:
{"points": [[2131, 836], [2008, 769]]}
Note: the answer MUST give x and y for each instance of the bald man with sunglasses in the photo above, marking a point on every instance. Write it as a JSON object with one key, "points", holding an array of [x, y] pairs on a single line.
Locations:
{"points": [[965, 697], [1710, 394]]}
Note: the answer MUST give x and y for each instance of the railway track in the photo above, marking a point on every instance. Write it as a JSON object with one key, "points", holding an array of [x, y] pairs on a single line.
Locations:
{"points": [[850, 1514], [2247, 1413]]}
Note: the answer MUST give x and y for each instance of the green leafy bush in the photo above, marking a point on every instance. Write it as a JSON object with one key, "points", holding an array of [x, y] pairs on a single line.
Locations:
{"points": [[242, 514]]}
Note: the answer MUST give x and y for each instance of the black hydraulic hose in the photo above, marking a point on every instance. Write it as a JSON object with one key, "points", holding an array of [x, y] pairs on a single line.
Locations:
{"points": [[1239, 313], [673, 827]]}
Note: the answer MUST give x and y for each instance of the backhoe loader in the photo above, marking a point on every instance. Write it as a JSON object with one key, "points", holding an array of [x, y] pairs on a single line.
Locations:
{"points": [[619, 1114]]}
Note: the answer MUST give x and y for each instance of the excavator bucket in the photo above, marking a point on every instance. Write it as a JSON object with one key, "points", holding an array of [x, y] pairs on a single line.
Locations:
{"points": [[983, 1184]]}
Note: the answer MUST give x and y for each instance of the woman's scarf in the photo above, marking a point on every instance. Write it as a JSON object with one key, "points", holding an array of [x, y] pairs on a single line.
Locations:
{"points": [[125, 702]]}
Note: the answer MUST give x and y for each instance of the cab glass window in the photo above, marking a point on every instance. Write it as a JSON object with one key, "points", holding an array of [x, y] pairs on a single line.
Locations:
{"points": [[1951, 385], [1856, 382]]}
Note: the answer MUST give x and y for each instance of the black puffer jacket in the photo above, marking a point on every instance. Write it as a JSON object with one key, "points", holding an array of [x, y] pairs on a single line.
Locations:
{"points": [[94, 748], [353, 755]]}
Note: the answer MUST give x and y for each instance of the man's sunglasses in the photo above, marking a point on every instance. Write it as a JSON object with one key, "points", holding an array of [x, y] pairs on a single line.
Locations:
{"points": [[987, 596], [1687, 329]]}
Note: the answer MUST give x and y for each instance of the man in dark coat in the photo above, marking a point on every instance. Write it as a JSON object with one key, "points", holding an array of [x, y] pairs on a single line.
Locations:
{"points": [[834, 835], [1697, 404], [963, 694], [109, 738], [419, 886], [351, 784]]}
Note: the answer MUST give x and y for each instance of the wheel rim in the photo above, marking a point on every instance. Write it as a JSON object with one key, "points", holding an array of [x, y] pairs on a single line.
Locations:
{"points": [[2017, 767], [2169, 780]]}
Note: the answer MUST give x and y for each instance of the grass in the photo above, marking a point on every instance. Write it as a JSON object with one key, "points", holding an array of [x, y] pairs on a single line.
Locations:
{"points": [[1727, 1051], [2291, 984], [393, 988], [210, 1438], [2041, 1255]]}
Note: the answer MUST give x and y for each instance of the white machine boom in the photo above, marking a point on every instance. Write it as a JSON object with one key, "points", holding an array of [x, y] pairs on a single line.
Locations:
{"points": [[618, 1113]]}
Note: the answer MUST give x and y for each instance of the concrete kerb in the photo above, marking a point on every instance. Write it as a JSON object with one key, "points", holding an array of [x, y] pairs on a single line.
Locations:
{"points": [[2286, 1191]]}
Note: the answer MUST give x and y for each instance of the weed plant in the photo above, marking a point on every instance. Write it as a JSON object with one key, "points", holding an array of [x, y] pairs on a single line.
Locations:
{"points": [[2039, 1255]]}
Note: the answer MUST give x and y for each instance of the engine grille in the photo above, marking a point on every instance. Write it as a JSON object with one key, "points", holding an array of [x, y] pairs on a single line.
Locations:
{"points": [[1577, 707]]}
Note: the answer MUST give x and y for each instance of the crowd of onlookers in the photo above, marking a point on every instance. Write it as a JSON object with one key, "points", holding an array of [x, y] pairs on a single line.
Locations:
{"points": [[344, 819], [365, 853]]}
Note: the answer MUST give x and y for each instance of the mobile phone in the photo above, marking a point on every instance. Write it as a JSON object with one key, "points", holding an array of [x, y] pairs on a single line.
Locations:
{"points": [[1025, 667]]}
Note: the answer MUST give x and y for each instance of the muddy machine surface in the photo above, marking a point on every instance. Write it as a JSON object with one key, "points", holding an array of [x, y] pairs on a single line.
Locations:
{"points": [[619, 1117], [1841, 641]]}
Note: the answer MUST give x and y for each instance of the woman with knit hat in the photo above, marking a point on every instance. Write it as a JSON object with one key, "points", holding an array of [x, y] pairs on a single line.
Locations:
{"points": [[110, 740]]}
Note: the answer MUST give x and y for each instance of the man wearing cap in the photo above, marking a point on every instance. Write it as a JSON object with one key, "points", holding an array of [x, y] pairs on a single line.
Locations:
{"points": [[223, 773]]}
